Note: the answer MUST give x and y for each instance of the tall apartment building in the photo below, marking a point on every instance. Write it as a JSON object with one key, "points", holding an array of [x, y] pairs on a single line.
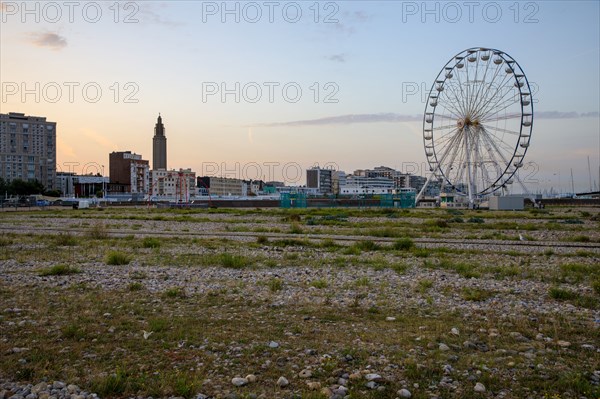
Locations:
{"points": [[321, 179], [159, 146], [130, 170], [28, 148]]}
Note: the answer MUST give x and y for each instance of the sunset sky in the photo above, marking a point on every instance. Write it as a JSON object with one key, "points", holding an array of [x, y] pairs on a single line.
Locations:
{"points": [[357, 64]]}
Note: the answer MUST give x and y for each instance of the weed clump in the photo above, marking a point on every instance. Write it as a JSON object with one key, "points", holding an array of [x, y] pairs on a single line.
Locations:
{"points": [[116, 258], [403, 244], [98, 232], [275, 284], [234, 261], [561, 294], [320, 283], [65, 240], [58, 270], [475, 294], [151, 242]]}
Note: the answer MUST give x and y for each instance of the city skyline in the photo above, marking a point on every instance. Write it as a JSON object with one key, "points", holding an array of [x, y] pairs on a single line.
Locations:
{"points": [[380, 89]]}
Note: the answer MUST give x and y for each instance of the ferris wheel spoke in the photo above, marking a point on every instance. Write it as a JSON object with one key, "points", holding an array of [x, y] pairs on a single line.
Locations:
{"points": [[453, 116], [444, 127], [500, 106], [485, 157], [462, 91], [495, 93], [495, 143], [489, 85], [451, 145], [444, 142], [501, 118], [476, 86], [497, 103], [459, 108], [492, 154], [448, 98], [448, 106], [502, 130], [493, 78]]}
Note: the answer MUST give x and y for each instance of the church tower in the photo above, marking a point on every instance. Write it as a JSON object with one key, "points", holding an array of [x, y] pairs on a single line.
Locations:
{"points": [[159, 146]]}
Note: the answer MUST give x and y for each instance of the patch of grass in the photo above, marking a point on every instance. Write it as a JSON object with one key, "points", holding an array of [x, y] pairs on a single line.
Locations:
{"points": [[454, 212], [151, 242], [441, 223], [58, 270], [504, 271], [420, 252], [135, 286], [367, 245], [275, 284], [352, 250], [291, 256], [399, 268], [475, 294], [572, 221], [596, 286], [319, 283], [184, 386], [385, 232], [329, 243], [579, 238], [424, 285], [363, 282], [561, 294], [98, 232], [5, 242], [234, 261], [112, 385], [158, 324], [578, 272], [138, 275], [475, 220], [403, 244], [296, 229], [262, 240], [584, 301], [174, 292], [464, 269], [116, 258], [65, 240], [73, 331], [291, 242]]}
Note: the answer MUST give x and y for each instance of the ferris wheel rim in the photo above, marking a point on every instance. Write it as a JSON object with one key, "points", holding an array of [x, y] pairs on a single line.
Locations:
{"points": [[514, 162]]}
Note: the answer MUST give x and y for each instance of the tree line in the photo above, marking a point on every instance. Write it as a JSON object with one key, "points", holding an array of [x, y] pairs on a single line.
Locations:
{"points": [[20, 187]]}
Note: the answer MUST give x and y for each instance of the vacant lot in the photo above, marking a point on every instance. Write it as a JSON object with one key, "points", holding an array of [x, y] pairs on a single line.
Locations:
{"points": [[365, 303]]}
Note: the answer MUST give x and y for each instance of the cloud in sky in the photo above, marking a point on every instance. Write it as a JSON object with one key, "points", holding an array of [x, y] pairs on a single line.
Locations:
{"points": [[337, 57], [565, 115], [51, 40], [149, 14], [348, 120], [397, 118]]}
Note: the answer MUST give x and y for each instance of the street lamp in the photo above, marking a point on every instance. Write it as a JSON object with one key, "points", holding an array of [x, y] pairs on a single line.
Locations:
{"points": [[103, 185]]}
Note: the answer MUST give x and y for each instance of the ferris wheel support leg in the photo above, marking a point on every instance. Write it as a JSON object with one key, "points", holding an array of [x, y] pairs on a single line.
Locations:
{"points": [[470, 181], [423, 189]]}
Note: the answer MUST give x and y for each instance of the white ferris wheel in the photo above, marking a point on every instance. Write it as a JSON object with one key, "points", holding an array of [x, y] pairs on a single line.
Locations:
{"points": [[477, 124]]}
